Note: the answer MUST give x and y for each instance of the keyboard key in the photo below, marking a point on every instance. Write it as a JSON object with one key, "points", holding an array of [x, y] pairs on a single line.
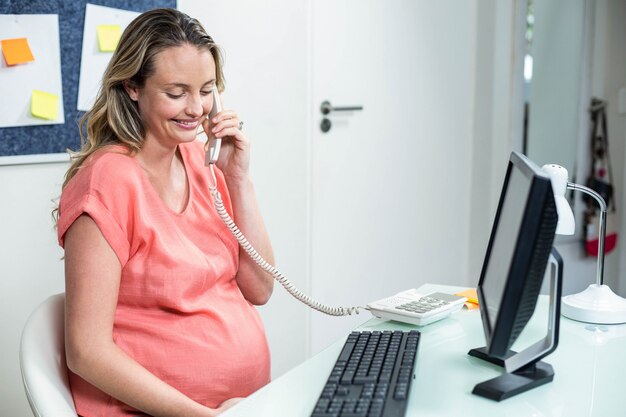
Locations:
{"points": [[347, 377], [364, 379]]}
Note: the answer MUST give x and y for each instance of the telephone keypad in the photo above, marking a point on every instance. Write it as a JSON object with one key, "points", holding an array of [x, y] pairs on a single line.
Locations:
{"points": [[422, 305]]}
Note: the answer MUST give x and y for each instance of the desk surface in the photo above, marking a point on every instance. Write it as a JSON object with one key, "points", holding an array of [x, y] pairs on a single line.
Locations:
{"points": [[589, 366]]}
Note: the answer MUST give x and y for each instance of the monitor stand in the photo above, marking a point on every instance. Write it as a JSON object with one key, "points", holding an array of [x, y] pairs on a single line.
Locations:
{"points": [[525, 371], [510, 384]]}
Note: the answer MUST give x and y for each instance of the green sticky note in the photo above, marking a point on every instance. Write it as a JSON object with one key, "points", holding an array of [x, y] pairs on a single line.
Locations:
{"points": [[44, 105], [108, 37]]}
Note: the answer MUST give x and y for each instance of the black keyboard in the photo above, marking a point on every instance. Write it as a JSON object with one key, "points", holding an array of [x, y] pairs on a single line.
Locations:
{"points": [[371, 377]]}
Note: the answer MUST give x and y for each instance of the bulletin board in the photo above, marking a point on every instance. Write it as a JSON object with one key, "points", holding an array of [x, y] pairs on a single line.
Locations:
{"points": [[46, 143]]}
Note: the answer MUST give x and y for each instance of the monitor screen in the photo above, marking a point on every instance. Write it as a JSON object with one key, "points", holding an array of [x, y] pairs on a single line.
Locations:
{"points": [[517, 254]]}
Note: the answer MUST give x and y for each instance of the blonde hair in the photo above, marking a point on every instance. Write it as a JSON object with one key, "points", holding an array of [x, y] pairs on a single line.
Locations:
{"points": [[114, 117]]}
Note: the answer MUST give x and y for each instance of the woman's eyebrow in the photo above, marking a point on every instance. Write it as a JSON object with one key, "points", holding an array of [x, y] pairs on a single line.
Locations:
{"points": [[183, 85]]}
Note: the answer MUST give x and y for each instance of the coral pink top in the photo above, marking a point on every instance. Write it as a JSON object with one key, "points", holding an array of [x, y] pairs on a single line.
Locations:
{"points": [[180, 312]]}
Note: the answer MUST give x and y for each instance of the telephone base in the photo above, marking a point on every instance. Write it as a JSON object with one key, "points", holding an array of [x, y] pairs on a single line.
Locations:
{"points": [[415, 308]]}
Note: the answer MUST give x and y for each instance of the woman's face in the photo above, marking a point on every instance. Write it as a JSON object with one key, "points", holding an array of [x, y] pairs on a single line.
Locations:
{"points": [[176, 97]]}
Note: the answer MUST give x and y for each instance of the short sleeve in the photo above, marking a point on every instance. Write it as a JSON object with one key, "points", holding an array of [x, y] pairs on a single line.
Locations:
{"points": [[103, 189]]}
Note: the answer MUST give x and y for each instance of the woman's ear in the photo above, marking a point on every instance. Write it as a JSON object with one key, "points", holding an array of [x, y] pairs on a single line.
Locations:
{"points": [[132, 90]]}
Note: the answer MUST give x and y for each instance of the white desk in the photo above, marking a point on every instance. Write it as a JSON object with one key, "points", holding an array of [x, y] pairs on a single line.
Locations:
{"points": [[589, 366]]}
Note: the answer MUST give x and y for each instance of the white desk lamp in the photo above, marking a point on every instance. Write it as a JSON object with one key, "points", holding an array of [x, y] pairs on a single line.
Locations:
{"points": [[596, 304]]}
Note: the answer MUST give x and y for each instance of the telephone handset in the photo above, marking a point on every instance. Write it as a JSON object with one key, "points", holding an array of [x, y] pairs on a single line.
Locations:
{"points": [[214, 144], [211, 156]]}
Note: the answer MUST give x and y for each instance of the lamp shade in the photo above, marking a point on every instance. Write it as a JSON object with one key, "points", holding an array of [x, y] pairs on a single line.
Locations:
{"points": [[558, 178]]}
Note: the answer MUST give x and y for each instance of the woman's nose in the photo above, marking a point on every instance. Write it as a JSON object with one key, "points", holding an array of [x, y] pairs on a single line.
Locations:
{"points": [[194, 106]]}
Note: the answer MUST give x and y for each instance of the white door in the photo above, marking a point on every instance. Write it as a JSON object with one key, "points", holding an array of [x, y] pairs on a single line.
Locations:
{"points": [[390, 182]]}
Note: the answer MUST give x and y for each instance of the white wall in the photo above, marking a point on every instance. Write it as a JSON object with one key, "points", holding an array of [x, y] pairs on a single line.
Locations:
{"points": [[30, 264]]}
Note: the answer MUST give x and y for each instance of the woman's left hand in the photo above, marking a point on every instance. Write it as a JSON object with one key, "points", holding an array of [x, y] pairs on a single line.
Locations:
{"points": [[234, 157]]}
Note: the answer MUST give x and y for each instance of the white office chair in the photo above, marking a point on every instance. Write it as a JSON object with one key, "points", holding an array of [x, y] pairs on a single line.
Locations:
{"points": [[42, 361]]}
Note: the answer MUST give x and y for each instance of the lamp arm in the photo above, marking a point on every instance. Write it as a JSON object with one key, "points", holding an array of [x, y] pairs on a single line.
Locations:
{"points": [[602, 226]]}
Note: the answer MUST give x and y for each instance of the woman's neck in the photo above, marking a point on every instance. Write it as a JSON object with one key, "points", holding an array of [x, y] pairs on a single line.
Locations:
{"points": [[158, 160], [165, 169]]}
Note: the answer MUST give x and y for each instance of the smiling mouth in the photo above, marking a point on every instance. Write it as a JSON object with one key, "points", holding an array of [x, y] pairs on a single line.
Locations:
{"points": [[189, 124]]}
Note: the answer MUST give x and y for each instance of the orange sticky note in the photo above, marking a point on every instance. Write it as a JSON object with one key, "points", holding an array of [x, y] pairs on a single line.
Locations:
{"points": [[470, 294], [44, 105], [16, 51], [108, 37]]}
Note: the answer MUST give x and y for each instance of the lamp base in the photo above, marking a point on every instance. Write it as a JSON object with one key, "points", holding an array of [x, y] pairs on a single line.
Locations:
{"points": [[597, 304]]}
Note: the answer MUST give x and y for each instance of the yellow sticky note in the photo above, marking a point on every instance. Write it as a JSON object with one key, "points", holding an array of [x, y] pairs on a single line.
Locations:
{"points": [[16, 51], [471, 306], [44, 105], [108, 37]]}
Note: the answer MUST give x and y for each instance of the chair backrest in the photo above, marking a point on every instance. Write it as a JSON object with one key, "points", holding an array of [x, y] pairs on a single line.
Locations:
{"points": [[42, 361]]}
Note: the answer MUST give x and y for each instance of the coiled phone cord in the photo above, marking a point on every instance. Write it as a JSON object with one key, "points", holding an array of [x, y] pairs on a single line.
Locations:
{"points": [[266, 266]]}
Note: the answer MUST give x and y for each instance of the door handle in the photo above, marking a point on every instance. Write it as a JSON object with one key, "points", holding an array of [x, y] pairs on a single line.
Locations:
{"points": [[326, 108]]}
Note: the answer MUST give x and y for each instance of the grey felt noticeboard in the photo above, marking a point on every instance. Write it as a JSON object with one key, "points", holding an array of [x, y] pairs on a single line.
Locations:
{"points": [[44, 143]]}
